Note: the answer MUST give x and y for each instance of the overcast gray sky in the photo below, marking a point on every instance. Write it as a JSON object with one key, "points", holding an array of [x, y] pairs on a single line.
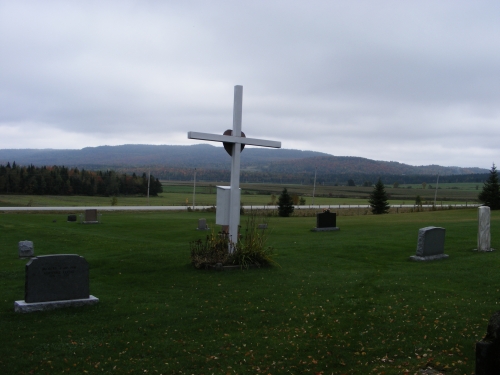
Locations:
{"points": [[411, 81]]}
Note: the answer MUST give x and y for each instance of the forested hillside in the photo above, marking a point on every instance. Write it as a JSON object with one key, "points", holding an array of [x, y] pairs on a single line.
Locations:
{"points": [[258, 165], [195, 156]]}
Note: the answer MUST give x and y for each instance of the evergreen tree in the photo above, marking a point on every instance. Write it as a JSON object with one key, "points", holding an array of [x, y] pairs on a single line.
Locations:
{"points": [[378, 199], [285, 204], [490, 196]]}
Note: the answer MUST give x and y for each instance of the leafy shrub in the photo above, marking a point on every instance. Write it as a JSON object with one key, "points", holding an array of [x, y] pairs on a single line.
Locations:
{"points": [[209, 252], [250, 250]]}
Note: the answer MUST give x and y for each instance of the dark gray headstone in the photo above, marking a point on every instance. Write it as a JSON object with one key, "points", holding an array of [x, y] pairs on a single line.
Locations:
{"points": [[262, 226], [26, 249], [90, 216], [56, 277], [326, 220], [71, 217], [430, 245], [488, 349]]}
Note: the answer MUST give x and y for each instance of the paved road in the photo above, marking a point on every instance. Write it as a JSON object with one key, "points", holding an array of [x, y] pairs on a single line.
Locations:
{"points": [[184, 208]]}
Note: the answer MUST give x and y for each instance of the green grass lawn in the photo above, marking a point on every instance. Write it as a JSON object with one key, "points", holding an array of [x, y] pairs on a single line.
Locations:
{"points": [[346, 302]]}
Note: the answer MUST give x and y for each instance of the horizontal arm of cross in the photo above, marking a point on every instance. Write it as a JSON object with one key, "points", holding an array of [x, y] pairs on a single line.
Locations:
{"points": [[232, 139]]}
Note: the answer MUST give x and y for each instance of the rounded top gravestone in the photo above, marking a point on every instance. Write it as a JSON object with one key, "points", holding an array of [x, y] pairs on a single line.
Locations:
{"points": [[56, 278]]}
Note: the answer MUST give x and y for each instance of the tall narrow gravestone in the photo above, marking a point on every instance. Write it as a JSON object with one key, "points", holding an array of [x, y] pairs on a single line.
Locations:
{"points": [[54, 281], [326, 221], [430, 245], [483, 230]]}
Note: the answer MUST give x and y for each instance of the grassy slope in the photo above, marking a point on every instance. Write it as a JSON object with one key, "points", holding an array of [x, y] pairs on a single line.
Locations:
{"points": [[346, 302]]}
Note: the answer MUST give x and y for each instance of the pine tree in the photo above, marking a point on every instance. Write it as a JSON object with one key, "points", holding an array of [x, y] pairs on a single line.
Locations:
{"points": [[285, 204], [490, 196], [378, 199]]}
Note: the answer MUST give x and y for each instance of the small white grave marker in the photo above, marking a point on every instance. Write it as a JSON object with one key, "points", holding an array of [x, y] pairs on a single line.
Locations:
{"points": [[234, 141]]}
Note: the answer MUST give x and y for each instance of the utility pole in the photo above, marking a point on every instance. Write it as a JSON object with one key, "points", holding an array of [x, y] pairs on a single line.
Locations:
{"points": [[314, 186], [149, 179], [194, 187], [436, 192]]}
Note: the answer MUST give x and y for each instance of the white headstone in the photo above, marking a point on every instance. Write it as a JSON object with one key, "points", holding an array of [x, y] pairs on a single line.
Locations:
{"points": [[483, 231], [234, 140]]}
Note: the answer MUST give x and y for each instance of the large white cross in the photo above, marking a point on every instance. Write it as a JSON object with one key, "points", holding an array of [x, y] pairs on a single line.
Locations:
{"points": [[236, 142]]}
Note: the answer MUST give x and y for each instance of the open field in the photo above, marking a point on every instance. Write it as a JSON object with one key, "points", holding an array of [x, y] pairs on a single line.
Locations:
{"points": [[261, 193], [346, 302], [181, 194]]}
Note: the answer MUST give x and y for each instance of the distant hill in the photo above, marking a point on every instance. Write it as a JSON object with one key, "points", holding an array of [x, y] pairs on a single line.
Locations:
{"points": [[350, 164], [196, 156], [258, 164]]}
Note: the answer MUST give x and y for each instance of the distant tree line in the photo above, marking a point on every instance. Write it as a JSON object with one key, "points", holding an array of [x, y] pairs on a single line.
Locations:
{"points": [[59, 180], [351, 179]]}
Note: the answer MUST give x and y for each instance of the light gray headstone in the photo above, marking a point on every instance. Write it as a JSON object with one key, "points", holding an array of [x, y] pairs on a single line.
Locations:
{"points": [[202, 224], [430, 245], [26, 249], [483, 232]]}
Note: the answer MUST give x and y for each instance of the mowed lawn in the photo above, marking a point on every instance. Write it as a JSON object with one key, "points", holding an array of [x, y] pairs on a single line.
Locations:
{"points": [[346, 302]]}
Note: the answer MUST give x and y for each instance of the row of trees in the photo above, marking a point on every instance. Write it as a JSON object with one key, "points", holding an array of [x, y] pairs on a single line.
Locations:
{"points": [[59, 180], [489, 196]]}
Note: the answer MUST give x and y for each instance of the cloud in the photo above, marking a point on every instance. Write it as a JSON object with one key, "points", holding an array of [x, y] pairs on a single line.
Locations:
{"points": [[415, 82]]}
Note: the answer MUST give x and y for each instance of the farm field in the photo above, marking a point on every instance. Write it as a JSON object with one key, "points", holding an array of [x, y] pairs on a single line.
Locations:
{"points": [[346, 302], [181, 194]]}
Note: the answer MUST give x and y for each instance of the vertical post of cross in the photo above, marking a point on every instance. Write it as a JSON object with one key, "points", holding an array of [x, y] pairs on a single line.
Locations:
{"points": [[235, 198], [233, 141]]}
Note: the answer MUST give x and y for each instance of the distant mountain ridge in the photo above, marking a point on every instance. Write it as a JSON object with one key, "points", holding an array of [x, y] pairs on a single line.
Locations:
{"points": [[206, 156]]}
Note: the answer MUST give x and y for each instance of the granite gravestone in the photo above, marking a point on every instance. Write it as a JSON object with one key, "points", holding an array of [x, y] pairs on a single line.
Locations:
{"points": [[262, 226], [72, 217], [91, 217], [430, 245], [483, 230], [488, 349], [54, 281], [202, 224], [26, 249], [326, 221]]}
